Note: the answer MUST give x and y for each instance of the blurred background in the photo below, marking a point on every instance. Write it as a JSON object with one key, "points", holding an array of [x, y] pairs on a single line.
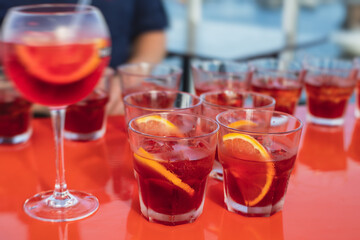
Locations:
{"points": [[247, 29]]}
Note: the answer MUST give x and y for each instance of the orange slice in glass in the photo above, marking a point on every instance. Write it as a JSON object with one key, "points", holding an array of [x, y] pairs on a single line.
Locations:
{"points": [[60, 64], [242, 123], [158, 126], [248, 148], [150, 161]]}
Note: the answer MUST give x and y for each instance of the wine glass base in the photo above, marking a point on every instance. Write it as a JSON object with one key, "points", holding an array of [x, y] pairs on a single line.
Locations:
{"points": [[79, 205]]}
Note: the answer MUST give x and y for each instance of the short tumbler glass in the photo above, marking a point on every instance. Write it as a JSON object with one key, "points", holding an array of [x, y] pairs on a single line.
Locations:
{"points": [[15, 114], [281, 79], [219, 101], [329, 85], [173, 154], [86, 119], [257, 158]]}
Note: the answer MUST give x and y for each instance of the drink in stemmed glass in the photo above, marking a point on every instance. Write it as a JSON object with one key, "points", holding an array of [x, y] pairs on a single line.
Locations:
{"points": [[55, 54]]}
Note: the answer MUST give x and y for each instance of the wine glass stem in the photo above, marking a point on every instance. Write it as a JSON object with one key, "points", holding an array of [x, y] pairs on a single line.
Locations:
{"points": [[58, 120]]}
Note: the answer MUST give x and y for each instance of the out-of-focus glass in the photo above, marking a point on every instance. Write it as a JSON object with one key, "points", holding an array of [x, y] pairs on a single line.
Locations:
{"points": [[86, 119], [213, 75], [15, 114], [329, 85], [281, 79]]}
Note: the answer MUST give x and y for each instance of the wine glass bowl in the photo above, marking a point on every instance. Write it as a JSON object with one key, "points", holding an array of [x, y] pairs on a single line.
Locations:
{"points": [[55, 54]]}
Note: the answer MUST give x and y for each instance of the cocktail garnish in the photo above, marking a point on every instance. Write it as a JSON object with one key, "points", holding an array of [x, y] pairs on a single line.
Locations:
{"points": [[70, 64], [158, 126], [149, 160], [248, 148], [242, 123]]}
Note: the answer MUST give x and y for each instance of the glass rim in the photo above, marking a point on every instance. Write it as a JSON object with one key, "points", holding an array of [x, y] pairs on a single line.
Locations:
{"points": [[202, 97], [130, 128], [301, 124], [83, 9], [311, 68], [122, 69], [292, 63], [162, 109], [289, 76], [196, 63]]}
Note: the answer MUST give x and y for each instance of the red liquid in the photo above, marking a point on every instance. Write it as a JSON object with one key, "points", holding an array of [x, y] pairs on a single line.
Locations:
{"points": [[54, 75], [327, 101], [161, 195], [240, 176], [14, 114], [88, 115], [285, 92], [218, 85]]}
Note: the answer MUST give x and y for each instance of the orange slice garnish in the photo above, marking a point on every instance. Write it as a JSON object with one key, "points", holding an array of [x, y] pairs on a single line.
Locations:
{"points": [[60, 64], [150, 161], [242, 123], [246, 147], [158, 126]]}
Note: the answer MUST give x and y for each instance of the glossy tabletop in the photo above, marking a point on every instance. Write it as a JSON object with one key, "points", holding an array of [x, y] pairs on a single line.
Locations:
{"points": [[322, 201]]}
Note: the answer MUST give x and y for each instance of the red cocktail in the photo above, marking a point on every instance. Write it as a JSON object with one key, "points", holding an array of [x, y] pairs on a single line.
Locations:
{"points": [[173, 155], [15, 116], [286, 92], [327, 101], [283, 80], [257, 149], [55, 81], [329, 83], [55, 56], [170, 199], [243, 176], [86, 120]]}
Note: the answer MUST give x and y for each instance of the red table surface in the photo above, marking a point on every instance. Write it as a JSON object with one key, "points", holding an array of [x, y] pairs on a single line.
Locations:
{"points": [[322, 202]]}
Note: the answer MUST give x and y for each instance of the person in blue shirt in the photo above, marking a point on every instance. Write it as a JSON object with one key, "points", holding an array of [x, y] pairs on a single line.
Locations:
{"points": [[137, 29]]}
